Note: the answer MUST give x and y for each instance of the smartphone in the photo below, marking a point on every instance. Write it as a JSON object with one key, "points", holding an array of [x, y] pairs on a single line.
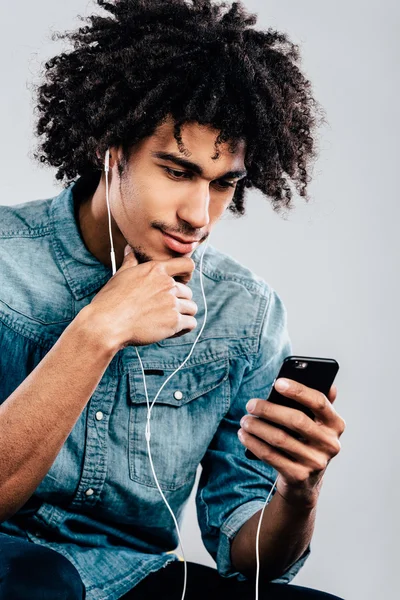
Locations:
{"points": [[316, 373]]}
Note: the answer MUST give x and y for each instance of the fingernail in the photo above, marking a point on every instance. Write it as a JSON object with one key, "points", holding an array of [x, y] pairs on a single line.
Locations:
{"points": [[243, 422], [281, 384], [127, 249], [240, 435], [250, 406]]}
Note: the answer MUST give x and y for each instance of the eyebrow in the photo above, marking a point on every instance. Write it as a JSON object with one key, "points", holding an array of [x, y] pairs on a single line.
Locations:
{"points": [[188, 164]]}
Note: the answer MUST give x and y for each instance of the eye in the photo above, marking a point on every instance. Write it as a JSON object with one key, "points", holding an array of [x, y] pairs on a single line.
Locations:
{"points": [[222, 184], [177, 174], [226, 184]]}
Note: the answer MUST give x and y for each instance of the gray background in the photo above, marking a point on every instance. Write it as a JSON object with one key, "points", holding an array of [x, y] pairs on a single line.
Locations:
{"points": [[333, 260]]}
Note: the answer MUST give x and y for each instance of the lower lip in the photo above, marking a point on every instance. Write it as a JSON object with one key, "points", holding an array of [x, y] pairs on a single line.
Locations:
{"points": [[180, 247]]}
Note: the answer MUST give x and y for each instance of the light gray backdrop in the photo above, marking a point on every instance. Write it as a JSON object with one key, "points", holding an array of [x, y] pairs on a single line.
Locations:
{"points": [[333, 261]]}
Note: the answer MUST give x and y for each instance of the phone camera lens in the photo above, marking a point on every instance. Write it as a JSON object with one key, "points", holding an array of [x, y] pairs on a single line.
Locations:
{"points": [[300, 364]]}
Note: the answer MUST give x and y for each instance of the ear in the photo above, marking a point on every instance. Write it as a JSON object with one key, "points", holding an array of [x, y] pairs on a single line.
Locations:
{"points": [[102, 157], [99, 156]]}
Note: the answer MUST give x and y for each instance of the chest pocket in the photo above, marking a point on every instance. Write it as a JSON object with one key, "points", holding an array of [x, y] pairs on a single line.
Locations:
{"points": [[183, 421]]}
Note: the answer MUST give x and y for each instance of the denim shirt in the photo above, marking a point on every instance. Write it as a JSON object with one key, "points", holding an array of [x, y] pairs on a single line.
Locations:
{"points": [[98, 504]]}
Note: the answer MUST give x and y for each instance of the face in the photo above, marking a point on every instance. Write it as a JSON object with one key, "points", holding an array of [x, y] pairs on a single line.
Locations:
{"points": [[166, 202]]}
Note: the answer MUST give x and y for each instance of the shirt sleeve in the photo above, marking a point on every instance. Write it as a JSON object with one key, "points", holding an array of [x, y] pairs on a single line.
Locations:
{"points": [[233, 488]]}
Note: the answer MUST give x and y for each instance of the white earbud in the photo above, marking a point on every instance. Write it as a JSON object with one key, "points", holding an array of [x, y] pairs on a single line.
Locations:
{"points": [[107, 161]]}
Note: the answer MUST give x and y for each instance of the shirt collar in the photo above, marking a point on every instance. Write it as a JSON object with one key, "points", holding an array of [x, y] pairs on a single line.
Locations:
{"points": [[83, 271]]}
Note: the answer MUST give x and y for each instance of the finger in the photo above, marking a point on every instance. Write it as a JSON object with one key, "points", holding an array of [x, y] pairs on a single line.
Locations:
{"points": [[314, 456], [182, 267], [332, 394], [316, 401], [180, 290], [293, 419], [129, 260], [179, 334], [267, 453], [187, 307], [183, 278], [186, 322]]}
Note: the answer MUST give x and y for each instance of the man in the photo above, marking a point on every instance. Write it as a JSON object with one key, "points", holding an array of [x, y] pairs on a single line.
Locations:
{"points": [[193, 105]]}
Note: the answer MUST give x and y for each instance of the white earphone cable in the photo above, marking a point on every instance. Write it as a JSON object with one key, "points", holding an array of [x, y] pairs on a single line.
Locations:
{"points": [[112, 253], [150, 406], [258, 539]]}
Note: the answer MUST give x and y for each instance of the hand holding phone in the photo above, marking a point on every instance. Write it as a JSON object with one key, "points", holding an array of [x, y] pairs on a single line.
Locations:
{"points": [[313, 372]]}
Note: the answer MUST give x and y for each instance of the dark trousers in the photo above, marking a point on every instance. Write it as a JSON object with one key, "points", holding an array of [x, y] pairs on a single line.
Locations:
{"points": [[32, 572], [204, 583]]}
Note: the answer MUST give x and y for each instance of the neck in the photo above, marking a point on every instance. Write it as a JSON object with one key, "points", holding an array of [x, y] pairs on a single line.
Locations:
{"points": [[92, 217]]}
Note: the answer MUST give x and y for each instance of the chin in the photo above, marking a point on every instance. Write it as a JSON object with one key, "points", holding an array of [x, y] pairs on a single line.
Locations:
{"points": [[141, 255]]}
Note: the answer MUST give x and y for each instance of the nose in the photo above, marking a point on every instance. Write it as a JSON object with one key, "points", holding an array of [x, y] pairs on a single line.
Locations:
{"points": [[194, 209]]}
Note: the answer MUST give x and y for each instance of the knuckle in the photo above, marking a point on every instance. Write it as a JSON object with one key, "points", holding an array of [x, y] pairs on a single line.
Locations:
{"points": [[342, 425], [184, 290], [191, 264], [260, 410], [280, 438], [168, 283], [320, 463], [321, 402], [302, 475], [171, 301], [176, 320], [300, 422], [295, 389], [335, 447], [157, 267], [264, 454]]}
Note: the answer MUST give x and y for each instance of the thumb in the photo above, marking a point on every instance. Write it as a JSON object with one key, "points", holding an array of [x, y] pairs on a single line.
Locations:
{"points": [[129, 260]]}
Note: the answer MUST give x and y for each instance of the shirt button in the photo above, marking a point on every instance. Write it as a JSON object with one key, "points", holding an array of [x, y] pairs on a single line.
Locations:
{"points": [[178, 395], [89, 492], [99, 415]]}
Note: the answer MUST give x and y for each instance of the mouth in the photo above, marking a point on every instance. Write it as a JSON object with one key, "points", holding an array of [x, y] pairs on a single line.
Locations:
{"points": [[180, 245]]}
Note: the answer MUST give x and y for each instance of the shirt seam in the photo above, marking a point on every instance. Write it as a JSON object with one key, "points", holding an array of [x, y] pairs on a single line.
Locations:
{"points": [[20, 330], [258, 288], [30, 232]]}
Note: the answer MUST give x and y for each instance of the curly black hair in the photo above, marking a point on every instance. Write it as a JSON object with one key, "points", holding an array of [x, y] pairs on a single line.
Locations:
{"points": [[195, 60]]}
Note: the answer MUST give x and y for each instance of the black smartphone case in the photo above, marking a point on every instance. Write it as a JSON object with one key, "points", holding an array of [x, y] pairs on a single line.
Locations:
{"points": [[319, 374]]}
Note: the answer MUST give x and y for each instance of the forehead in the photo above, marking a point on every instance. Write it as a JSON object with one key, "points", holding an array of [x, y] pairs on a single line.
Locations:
{"points": [[199, 146]]}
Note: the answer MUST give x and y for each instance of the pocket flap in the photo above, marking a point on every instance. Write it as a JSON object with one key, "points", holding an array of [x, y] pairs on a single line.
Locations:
{"points": [[188, 383]]}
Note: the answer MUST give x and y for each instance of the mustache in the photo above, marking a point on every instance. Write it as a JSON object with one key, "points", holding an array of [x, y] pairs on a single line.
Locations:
{"points": [[183, 229]]}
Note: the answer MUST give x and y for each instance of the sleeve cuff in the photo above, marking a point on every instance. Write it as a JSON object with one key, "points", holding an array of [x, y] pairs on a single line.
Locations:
{"points": [[228, 531]]}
